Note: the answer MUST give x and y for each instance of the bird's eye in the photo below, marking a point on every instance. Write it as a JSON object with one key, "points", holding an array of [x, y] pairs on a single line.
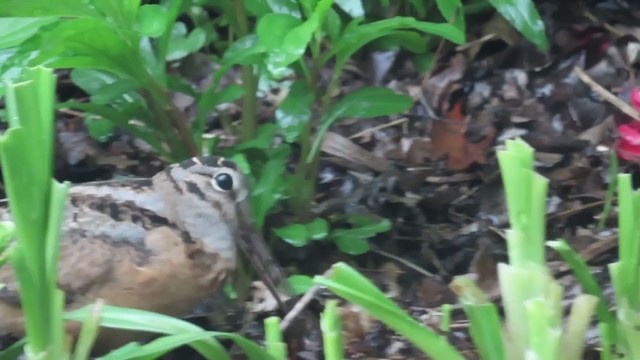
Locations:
{"points": [[223, 182]]}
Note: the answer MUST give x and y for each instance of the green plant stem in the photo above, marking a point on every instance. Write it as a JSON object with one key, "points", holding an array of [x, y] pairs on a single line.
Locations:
{"points": [[333, 84], [301, 194], [163, 125], [171, 119], [249, 79]]}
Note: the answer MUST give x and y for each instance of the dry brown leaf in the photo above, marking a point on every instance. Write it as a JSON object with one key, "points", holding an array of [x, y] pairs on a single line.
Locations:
{"points": [[448, 139]]}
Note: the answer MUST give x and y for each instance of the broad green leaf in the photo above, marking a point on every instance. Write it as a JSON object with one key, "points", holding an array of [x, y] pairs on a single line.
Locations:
{"points": [[257, 8], [120, 13], [263, 140], [134, 319], [349, 284], [367, 102], [152, 20], [485, 329], [16, 30], [356, 35], [92, 43], [289, 7], [103, 87], [246, 50], [91, 81], [294, 234], [351, 245], [290, 47], [294, 113], [269, 187], [453, 12], [124, 88], [332, 25], [409, 40], [317, 229], [352, 7], [157, 347], [99, 128], [181, 44], [300, 283], [37, 8], [419, 6], [370, 102], [448, 8], [273, 28], [524, 16], [370, 225], [230, 93]]}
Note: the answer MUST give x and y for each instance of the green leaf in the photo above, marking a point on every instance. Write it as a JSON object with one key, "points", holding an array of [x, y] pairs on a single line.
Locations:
{"points": [[289, 7], [300, 284], [246, 50], [317, 229], [448, 8], [263, 140], [152, 20], [522, 14], [332, 25], [367, 102], [15, 30], [92, 43], [210, 100], [37, 8], [588, 282], [134, 319], [356, 35], [257, 8], [269, 187], [294, 113], [118, 90], [485, 329], [289, 43], [90, 80], [352, 7], [158, 347], [294, 234], [181, 44], [409, 40], [419, 6], [99, 128], [349, 284], [273, 28], [352, 245]]}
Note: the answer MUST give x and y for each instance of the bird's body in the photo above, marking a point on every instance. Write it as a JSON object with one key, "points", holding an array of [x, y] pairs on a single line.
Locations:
{"points": [[163, 244]]}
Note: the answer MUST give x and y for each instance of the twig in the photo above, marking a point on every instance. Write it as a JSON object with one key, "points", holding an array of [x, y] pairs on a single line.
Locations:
{"points": [[606, 95], [301, 304]]}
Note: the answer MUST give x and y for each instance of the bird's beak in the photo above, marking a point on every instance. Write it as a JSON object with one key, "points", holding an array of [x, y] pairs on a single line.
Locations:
{"points": [[255, 248]]}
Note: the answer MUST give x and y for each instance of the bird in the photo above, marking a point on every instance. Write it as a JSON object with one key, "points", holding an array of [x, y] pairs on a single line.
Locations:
{"points": [[162, 244]]}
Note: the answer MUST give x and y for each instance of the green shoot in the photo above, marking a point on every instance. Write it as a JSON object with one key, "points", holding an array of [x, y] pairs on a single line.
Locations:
{"points": [[331, 327], [273, 338]]}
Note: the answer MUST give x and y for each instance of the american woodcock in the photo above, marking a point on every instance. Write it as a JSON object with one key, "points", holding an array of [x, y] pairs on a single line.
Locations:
{"points": [[163, 244]]}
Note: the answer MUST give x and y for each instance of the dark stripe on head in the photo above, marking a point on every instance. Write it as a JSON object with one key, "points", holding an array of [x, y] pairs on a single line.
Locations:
{"points": [[217, 162], [186, 164], [173, 181], [195, 189]]}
